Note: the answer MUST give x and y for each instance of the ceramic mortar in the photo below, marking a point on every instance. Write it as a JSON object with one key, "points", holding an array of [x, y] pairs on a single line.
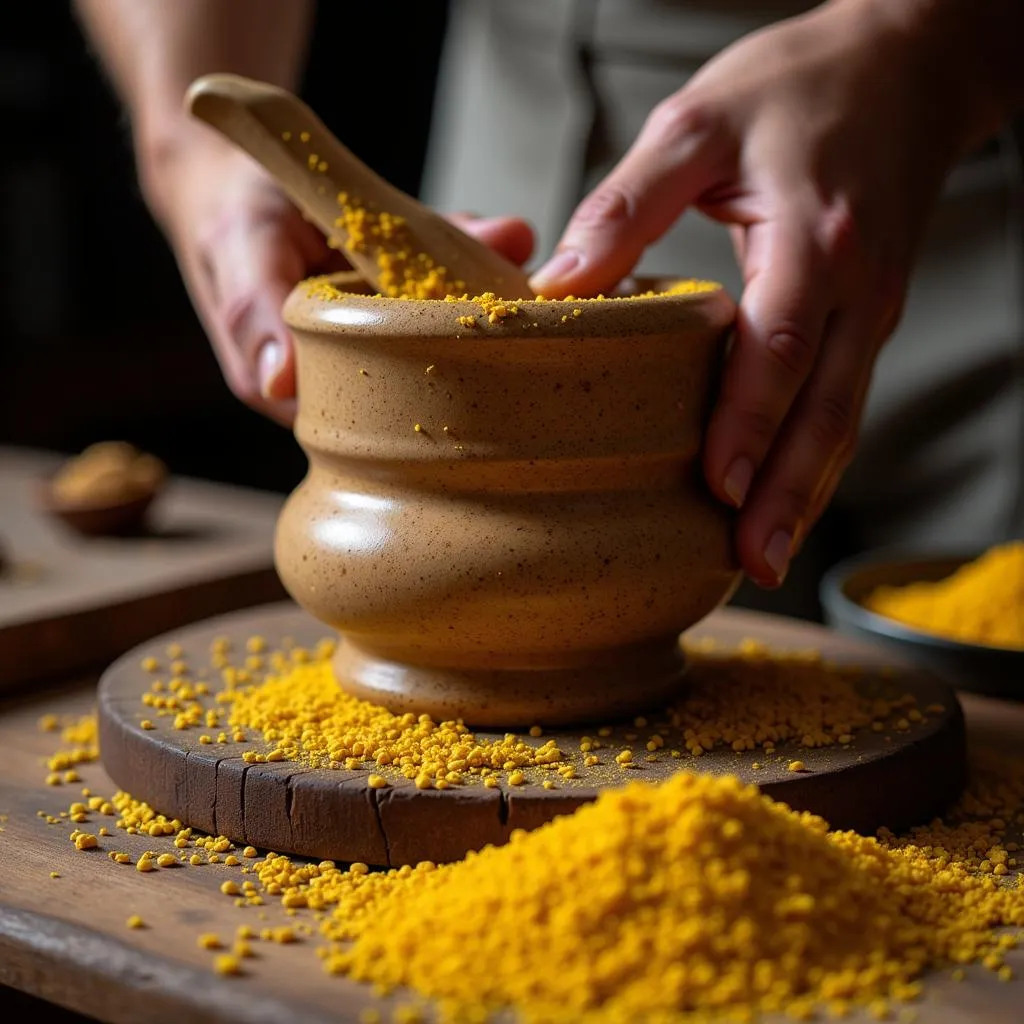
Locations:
{"points": [[506, 521]]}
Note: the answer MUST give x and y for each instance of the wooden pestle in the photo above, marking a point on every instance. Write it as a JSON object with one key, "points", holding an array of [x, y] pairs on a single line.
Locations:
{"points": [[282, 134]]}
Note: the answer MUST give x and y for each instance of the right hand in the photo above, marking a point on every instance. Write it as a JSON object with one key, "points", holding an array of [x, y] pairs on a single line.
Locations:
{"points": [[242, 246]]}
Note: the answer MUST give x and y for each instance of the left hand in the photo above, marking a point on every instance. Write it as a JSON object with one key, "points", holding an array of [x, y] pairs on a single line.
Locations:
{"points": [[822, 142]]}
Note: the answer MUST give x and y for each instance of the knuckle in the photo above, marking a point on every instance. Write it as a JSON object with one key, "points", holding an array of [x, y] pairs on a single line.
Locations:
{"points": [[610, 205], [235, 313], [792, 348], [839, 231], [214, 230], [796, 497], [754, 422], [675, 119], [832, 423]]}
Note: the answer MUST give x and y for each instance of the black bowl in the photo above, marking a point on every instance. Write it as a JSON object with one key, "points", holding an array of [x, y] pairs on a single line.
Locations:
{"points": [[993, 671]]}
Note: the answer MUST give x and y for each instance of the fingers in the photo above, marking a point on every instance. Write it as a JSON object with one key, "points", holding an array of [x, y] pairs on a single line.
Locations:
{"points": [[510, 236], [812, 449], [251, 261], [785, 305], [676, 157]]}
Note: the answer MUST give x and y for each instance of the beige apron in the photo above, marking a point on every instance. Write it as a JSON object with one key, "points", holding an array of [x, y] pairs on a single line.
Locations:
{"points": [[539, 98]]}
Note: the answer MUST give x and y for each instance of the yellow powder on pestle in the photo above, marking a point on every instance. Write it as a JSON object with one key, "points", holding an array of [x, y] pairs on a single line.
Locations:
{"points": [[405, 272], [980, 603]]}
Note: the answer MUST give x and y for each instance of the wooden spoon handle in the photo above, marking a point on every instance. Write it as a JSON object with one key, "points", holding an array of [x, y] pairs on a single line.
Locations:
{"points": [[313, 167]]}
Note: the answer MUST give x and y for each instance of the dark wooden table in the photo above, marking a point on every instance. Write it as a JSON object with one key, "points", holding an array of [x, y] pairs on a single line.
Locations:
{"points": [[65, 940]]}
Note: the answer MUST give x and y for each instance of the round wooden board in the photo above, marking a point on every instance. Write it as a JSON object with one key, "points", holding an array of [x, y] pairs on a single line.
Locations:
{"points": [[893, 778]]}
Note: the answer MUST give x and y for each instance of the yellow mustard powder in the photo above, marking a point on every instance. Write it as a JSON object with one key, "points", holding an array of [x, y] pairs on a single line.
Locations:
{"points": [[980, 603], [694, 900]]}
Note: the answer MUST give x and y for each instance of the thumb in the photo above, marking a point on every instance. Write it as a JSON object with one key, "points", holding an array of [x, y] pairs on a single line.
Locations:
{"points": [[673, 161]]}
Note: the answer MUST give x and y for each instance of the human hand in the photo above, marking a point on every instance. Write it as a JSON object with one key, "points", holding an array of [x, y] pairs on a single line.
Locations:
{"points": [[822, 142], [242, 246]]}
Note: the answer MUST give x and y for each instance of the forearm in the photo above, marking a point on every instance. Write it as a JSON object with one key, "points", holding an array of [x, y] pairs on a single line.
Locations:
{"points": [[153, 49]]}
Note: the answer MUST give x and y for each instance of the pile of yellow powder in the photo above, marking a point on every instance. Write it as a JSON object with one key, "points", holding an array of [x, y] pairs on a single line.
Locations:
{"points": [[981, 603], [690, 901], [698, 896], [694, 900]]}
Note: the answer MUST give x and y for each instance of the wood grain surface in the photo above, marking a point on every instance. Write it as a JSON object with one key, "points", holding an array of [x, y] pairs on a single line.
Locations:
{"points": [[893, 778], [65, 939], [71, 604]]}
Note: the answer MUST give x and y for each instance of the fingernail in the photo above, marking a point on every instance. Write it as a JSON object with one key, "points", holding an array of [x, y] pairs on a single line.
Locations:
{"points": [[268, 365], [562, 263], [737, 480], [778, 553]]}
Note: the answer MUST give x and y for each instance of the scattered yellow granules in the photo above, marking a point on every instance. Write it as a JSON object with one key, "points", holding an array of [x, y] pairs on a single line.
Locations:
{"points": [[81, 746], [700, 895], [135, 922], [652, 855], [405, 274], [305, 713], [226, 963], [744, 700], [980, 603], [495, 309]]}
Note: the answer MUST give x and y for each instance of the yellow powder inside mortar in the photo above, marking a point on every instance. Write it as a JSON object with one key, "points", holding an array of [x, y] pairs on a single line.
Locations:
{"points": [[404, 271], [409, 277], [980, 603]]}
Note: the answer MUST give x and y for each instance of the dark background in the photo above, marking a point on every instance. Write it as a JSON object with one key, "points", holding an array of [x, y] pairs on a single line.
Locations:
{"points": [[99, 338]]}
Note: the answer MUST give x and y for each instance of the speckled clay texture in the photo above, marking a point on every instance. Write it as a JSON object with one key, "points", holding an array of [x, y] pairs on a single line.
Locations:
{"points": [[507, 521]]}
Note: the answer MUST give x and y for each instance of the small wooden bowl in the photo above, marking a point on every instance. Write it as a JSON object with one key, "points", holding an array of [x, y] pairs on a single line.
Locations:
{"points": [[121, 519], [978, 668]]}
